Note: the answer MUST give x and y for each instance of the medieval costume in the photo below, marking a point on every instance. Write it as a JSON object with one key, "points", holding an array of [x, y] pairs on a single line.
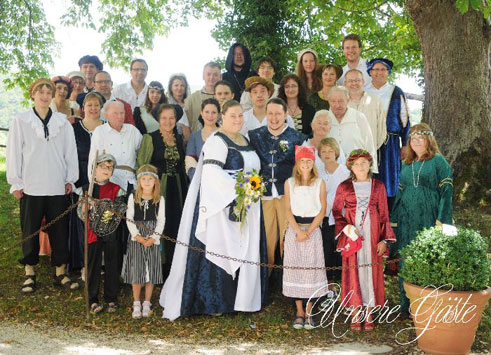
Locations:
{"points": [[169, 161], [202, 283], [365, 207], [234, 77], [424, 199], [277, 155]]}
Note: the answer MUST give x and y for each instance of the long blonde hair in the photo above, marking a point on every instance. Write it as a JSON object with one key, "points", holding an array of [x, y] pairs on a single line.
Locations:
{"points": [[297, 174], [148, 168]]}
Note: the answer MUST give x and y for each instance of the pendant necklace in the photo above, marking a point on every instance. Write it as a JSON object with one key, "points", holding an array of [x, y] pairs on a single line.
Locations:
{"points": [[416, 183]]}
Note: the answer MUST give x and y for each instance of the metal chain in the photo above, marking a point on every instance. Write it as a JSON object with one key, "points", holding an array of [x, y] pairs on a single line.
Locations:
{"points": [[200, 250]]}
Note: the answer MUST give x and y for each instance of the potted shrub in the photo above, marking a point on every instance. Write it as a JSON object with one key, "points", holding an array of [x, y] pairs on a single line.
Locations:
{"points": [[446, 278]]}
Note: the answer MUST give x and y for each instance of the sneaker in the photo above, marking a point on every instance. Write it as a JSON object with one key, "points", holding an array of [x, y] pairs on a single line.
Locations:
{"points": [[137, 310], [146, 309], [331, 296], [298, 322], [309, 323]]}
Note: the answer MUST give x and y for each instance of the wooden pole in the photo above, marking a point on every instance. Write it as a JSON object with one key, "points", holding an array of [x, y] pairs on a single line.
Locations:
{"points": [[86, 234]]}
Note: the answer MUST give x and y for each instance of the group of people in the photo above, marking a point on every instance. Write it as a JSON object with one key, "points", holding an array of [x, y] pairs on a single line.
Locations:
{"points": [[346, 180]]}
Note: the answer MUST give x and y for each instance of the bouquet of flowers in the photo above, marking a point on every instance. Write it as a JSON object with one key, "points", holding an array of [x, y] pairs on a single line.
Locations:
{"points": [[249, 188]]}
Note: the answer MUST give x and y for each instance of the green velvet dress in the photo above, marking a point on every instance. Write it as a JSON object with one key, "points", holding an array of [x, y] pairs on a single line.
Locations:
{"points": [[424, 197]]}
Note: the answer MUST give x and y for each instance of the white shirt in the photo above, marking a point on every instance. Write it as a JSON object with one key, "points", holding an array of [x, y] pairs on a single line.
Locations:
{"points": [[332, 182], [305, 201], [246, 102], [362, 66], [385, 94], [122, 145], [127, 93], [40, 166], [354, 133], [318, 161], [252, 122], [371, 106]]}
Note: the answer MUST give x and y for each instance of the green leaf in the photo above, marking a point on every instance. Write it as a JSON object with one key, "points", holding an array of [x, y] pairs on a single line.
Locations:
{"points": [[462, 5]]}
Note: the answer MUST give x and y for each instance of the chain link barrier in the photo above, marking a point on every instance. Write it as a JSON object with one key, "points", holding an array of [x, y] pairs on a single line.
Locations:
{"points": [[142, 227]]}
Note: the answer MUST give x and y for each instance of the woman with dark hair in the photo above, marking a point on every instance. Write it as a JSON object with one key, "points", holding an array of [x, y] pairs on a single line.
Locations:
{"points": [[308, 70], [210, 109], [424, 198], [142, 115], [164, 149], [330, 74], [61, 101], [178, 89], [292, 91]]}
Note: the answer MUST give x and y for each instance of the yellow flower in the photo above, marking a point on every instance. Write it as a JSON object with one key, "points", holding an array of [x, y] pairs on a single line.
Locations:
{"points": [[255, 182]]}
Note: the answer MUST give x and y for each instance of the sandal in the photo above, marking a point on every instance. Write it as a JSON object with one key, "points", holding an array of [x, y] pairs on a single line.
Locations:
{"points": [[309, 323], [64, 281], [29, 284], [112, 307], [299, 322], [96, 308], [369, 325]]}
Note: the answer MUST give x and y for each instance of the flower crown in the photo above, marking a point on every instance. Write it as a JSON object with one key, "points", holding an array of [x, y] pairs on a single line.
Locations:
{"points": [[356, 154]]}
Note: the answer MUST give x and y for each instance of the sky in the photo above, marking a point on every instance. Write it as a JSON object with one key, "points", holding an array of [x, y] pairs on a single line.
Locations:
{"points": [[185, 50]]}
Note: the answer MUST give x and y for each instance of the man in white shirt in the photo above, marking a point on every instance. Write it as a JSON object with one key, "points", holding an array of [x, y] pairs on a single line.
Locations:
{"points": [[349, 126], [352, 52], [119, 139], [368, 104], [103, 84], [135, 91], [42, 167]]}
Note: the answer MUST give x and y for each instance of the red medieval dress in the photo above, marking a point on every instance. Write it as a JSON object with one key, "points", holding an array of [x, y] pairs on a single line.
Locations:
{"points": [[356, 198]]}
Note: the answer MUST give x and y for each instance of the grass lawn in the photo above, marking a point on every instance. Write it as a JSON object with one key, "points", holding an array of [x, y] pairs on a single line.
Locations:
{"points": [[50, 306]]}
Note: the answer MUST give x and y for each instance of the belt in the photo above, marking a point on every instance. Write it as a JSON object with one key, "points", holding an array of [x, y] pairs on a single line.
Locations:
{"points": [[304, 220], [125, 167]]}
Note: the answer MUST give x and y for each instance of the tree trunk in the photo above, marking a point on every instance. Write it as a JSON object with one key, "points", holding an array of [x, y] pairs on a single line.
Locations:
{"points": [[457, 72]]}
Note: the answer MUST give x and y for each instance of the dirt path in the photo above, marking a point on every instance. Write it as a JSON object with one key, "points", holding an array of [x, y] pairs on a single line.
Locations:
{"points": [[28, 339]]}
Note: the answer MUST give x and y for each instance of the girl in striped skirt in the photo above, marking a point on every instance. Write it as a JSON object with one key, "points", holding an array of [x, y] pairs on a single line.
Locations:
{"points": [[142, 264], [305, 207]]}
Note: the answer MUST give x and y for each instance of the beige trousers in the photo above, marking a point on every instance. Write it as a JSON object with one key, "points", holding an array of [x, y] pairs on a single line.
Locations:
{"points": [[275, 224]]}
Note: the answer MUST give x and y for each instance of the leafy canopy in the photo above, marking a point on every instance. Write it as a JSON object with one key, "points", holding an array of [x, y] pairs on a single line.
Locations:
{"points": [[278, 28]]}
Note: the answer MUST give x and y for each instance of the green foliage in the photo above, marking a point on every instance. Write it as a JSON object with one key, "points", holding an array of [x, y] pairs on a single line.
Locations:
{"points": [[478, 5], [26, 44], [281, 28], [436, 259]]}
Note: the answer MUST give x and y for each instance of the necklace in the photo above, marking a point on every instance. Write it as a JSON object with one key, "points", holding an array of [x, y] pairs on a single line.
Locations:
{"points": [[236, 139], [416, 183], [292, 112]]}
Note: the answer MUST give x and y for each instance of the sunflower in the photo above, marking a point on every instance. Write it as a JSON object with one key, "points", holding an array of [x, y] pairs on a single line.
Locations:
{"points": [[255, 182]]}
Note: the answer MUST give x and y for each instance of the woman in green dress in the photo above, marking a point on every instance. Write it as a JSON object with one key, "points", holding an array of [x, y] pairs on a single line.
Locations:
{"points": [[425, 193], [164, 149]]}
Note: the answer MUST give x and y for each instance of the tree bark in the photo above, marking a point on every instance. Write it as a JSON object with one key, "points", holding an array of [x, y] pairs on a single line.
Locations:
{"points": [[457, 72]]}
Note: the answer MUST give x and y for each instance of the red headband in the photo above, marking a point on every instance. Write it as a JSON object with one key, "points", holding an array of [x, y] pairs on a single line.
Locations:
{"points": [[304, 152]]}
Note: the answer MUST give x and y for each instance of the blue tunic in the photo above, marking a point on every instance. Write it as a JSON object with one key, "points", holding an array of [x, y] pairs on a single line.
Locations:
{"points": [[389, 170]]}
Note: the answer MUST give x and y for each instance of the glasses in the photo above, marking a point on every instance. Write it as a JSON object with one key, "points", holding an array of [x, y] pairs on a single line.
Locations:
{"points": [[103, 81], [291, 86], [357, 81], [265, 67], [106, 167], [417, 139], [380, 70]]}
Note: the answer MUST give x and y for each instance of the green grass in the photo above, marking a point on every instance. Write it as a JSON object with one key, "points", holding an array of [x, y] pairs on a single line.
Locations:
{"points": [[50, 306]]}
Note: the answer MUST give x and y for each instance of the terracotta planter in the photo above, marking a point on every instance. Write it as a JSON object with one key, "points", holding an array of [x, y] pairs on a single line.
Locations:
{"points": [[451, 317]]}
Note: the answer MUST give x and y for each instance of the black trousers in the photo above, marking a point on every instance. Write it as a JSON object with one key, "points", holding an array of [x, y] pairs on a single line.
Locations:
{"points": [[111, 251], [331, 256], [32, 211]]}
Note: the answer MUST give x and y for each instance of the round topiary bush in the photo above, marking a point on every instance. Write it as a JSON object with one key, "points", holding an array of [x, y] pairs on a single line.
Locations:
{"points": [[436, 259]]}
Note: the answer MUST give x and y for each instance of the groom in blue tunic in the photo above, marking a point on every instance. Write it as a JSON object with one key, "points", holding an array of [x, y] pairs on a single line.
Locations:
{"points": [[275, 146], [394, 102]]}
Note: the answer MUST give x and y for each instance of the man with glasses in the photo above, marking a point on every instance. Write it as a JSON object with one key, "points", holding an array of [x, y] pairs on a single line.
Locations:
{"points": [[397, 123], [135, 91], [266, 68], [104, 85], [368, 104], [352, 51]]}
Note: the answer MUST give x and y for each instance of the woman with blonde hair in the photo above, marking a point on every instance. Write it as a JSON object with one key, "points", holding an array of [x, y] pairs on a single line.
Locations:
{"points": [[424, 198]]}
